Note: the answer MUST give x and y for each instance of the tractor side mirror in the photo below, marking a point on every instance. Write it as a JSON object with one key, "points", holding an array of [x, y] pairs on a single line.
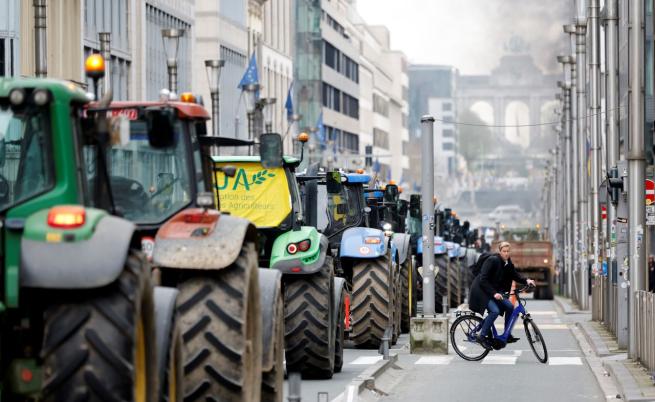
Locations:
{"points": [[270, 150], [229, 170], [333, 182], [391, 193], [161, 128]]}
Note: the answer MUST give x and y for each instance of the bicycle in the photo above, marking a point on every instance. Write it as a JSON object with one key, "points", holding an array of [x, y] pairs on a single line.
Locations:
{"points": [[469, 325]]}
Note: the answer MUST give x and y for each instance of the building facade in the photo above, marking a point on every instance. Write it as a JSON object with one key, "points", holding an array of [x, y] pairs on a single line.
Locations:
{"points": [[432, 90]]}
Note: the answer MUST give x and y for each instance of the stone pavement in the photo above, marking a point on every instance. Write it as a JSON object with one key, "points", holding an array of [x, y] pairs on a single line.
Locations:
{"points": [[631, 381]]}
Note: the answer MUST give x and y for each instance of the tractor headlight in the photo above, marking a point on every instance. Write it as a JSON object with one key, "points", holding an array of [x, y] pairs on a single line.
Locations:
{"points": [[17, 97]]}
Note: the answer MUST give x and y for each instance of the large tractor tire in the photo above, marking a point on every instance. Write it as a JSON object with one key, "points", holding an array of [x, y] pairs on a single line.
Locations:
{"points": [[220, 317], [101, 342], [371, 306], [169, 345], [408, 305], [273, 379], [309, 323], [441, 283], [339, 340]]}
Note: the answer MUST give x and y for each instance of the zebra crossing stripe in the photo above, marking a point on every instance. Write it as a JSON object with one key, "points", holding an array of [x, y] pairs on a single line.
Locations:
{"points": [[499, 359], [366, 360], [434, 360], [565, 361]]}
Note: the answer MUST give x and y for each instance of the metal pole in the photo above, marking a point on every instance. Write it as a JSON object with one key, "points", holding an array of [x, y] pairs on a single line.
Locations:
{"points": [[105, 50], [567, 172], [583, 210], [215, 113], [636, 172], [40, 37], [575, 171], [172, 77], [611, 106], [594, 70], [427, 185]]}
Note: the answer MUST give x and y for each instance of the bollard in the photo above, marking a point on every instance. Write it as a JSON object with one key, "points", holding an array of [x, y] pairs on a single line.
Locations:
{"points": [[294, 387], [384, 346]]}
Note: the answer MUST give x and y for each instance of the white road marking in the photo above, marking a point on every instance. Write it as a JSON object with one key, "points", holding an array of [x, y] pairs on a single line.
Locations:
{"points": [[434, 360], [543, 312], [500, 360], [564, 361], [552, 326], [363, 360]]}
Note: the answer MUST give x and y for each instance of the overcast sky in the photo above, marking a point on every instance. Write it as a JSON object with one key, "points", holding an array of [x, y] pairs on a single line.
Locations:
{"points": [[471, 34]]}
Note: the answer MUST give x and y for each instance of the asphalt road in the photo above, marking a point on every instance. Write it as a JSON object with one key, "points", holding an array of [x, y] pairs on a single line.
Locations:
{"points": [[509, 374]]}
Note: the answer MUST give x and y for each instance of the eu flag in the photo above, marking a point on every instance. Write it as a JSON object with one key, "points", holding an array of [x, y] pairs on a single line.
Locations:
{"points": [[376, 166], [288, 105], [320, 131], [251, 76]]}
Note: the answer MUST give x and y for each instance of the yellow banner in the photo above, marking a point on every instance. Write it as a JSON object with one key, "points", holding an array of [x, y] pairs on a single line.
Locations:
{"points": [[260, 195]]}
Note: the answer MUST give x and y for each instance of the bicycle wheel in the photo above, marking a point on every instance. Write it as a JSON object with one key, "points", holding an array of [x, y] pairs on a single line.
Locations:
{"points": [[536, 340], [462, 337]]}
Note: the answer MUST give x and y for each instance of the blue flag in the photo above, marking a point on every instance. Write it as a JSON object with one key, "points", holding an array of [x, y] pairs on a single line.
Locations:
{"points": [[389, 174], [320, 131], [250, 76], [376, 166], [288, 105]]}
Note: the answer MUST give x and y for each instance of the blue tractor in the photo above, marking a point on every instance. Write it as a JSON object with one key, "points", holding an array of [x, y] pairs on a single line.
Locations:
{"points": [[367, 255]]}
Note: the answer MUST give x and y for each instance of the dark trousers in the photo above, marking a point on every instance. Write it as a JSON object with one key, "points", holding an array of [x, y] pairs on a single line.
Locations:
{"points": [[494, 307]]}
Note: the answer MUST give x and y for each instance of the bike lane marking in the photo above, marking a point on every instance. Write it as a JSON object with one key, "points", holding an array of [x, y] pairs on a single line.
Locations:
{"points": [[497, 359], [564, 361], [434, 360]]}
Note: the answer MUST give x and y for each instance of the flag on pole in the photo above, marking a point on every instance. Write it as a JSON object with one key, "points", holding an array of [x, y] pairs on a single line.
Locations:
{"points": [[288, 105], [388, 174], [320, 131], [376, 166], [250, 76]]}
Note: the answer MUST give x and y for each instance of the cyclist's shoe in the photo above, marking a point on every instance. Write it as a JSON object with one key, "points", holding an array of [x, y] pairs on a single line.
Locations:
{"points": [[512, 339], [482, 340]]}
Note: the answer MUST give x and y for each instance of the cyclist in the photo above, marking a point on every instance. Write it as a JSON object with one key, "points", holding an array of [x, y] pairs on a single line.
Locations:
{"points": [[495, 278]]}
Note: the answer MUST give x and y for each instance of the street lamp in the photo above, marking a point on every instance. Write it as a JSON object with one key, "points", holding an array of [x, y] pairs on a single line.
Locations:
{"points": [[213, 68], [251, 106], [171, 38], [269, 109]]}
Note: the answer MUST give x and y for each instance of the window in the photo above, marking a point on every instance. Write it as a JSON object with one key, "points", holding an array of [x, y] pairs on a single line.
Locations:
{"points": [[448, 119], [27, 168], [380, 105], [339, 62], [448, 146], [447, 106], [380, 138], [405, 147], [447, 133], [342, 141], [351, 142], [350, 106], [7, 59], [331, 97]]}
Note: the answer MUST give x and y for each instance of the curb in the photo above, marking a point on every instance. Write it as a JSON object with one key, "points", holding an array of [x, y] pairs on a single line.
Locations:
{"points": [[625, 382], [591, 335], [566, 306], [366, 380]]}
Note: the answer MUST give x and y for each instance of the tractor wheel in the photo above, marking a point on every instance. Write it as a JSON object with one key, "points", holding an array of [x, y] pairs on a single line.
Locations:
{"points": [[406, 278], [441, 283], [397, 306], [101, 342], [339, 341], [220, 316], [273, 380], [371, 308], [308, 321], [172, 389]]}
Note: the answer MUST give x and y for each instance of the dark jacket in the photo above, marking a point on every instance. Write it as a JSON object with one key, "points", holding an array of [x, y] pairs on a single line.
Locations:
{"points": [[496, 276]]}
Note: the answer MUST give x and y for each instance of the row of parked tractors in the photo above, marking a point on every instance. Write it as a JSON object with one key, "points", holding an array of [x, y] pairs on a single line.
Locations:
{"points": [[137, 265]]}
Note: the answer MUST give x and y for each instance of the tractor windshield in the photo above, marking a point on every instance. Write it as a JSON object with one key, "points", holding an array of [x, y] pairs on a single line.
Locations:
{"points": [[338, 211], [26, 167], [148, 184]]}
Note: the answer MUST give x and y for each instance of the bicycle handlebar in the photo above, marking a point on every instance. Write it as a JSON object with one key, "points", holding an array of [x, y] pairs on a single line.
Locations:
{"points": [[516, 291]]}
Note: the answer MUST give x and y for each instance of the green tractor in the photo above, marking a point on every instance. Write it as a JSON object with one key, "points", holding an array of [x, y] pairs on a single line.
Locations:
{"points": [[264, 190], [79, 317], [229, 311]]}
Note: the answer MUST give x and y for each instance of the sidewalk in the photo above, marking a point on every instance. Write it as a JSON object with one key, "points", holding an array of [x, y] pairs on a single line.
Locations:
{"points": [[632, 381]]}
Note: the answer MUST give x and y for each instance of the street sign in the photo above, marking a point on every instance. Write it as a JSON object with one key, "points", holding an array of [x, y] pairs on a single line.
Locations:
{"points": [[650, 191], [603, 212], [650, 215]]}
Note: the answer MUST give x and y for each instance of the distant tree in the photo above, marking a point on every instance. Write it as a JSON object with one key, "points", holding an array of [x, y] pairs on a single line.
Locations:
{"points": [[475, 139]]}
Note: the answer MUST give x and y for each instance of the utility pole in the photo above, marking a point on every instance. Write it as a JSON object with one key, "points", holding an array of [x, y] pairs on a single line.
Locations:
{"points": [[583, 209], [612, 113], [636, 171], [105, 50], [427, 186], [594, 69], [571, 30], [40, 37]]}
